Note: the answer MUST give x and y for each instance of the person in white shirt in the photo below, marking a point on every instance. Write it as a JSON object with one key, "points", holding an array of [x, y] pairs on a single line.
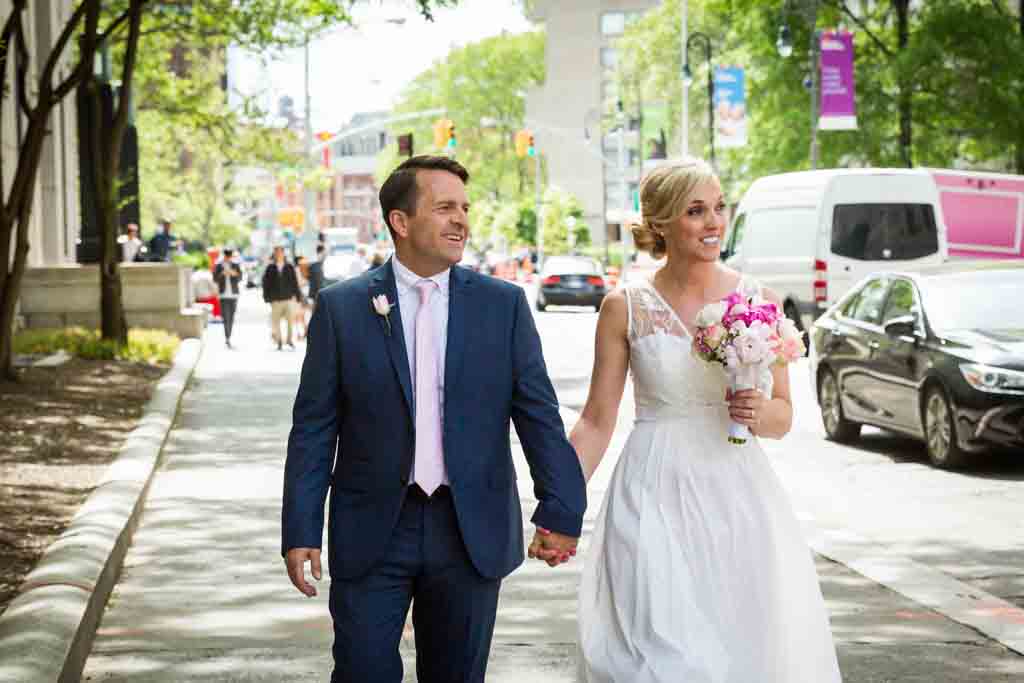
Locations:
{"points": [[130, 243]]}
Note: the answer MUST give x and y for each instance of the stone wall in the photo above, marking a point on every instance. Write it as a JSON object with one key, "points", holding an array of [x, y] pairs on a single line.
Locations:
{"points": [[156, 295]]}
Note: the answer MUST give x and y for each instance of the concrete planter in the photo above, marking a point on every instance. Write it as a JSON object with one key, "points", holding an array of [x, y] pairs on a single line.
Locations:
{"points": [[156, 295]]}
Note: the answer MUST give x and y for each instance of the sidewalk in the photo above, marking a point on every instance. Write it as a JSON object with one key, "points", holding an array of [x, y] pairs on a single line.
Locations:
{"points": [[204, 597]]}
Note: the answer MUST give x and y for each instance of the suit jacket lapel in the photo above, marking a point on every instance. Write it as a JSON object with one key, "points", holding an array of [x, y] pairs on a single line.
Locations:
{"points": [[383, 282], [459, 292]]}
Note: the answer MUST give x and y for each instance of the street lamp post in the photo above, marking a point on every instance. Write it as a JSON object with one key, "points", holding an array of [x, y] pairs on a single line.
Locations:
{"points": [[683, 44], [624, 189], [784, 44], [688, 81]]}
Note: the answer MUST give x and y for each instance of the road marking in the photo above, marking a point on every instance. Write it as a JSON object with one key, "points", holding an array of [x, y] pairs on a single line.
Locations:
{"points": [[994, 617]]}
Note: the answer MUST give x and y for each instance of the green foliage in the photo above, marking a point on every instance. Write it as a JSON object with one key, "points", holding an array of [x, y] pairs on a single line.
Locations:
{"points": [[559, 210], [961, 67], [144, 346], [196, 260], [478, 84]]}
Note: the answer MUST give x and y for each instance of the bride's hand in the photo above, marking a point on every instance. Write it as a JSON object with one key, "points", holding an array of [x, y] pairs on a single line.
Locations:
{"points": [[746, 407], [551, 547]]}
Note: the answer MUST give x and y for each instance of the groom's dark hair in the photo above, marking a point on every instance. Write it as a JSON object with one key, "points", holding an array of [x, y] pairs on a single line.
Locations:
{"points": [[400, 190]]}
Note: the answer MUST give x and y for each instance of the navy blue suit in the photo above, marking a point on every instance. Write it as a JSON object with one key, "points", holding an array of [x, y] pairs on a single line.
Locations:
{"points": [[386, 545]]}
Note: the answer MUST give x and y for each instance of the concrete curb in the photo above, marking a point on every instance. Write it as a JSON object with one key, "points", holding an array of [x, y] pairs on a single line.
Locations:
{"points": [[47, 631]]}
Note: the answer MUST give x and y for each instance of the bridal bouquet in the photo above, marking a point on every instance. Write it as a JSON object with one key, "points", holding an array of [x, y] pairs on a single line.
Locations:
{"points": [[746, 335]]}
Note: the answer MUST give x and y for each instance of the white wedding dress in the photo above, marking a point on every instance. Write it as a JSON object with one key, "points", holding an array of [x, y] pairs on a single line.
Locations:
{"points": [[698, 571]]}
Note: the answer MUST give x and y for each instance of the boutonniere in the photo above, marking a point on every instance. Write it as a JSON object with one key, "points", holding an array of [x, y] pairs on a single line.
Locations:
{"points": [[383, 308]]}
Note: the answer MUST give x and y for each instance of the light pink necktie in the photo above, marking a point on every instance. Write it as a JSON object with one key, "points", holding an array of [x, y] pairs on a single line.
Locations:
{"points": [[429, 467]]}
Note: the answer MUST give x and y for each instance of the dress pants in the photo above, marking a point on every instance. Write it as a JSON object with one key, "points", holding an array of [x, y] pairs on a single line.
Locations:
{"points": [[454, 607], [228, 306], [280, 310]]}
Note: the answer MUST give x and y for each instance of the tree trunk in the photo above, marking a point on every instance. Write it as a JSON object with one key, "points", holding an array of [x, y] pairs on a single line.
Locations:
{"points": [[905, 102], [14, 222], [113, 325], [1020, 132]]}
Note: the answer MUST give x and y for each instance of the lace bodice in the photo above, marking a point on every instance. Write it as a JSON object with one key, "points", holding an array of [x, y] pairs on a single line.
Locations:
{"points": [[668, 380]]}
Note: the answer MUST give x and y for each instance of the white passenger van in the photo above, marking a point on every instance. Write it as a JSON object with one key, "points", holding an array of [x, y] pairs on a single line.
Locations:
{"points": [[811, 235]]}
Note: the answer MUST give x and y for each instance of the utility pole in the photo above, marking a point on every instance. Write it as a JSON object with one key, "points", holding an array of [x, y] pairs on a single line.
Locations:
{"points": [[624, 189], [309, 222], [538, 206], [686, 91], [815, 68]]}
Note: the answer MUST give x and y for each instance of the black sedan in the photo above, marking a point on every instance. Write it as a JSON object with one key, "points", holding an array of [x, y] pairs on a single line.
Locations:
{"points": [[571, 281], [935, 356]]}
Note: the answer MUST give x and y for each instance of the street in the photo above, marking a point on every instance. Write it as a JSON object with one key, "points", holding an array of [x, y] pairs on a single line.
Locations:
{"points": [[204, 596]]}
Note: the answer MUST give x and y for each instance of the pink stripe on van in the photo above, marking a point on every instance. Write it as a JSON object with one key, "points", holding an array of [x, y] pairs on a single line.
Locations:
{"points": [[979, 219], [944, 180]]}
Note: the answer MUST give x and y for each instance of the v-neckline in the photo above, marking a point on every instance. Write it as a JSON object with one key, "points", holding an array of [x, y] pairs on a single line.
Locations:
{"points": [[672, 310]]}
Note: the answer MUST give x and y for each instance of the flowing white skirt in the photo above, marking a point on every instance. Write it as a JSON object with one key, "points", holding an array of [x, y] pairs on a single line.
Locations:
{"points": [[698, 571]]}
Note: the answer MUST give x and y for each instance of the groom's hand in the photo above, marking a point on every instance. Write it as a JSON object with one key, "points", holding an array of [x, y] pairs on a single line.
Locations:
{"points": [[296, 561], [552, 547]]}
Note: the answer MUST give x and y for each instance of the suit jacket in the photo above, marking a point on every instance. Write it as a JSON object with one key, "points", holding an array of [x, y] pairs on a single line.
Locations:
{"points": [[356, 399]]}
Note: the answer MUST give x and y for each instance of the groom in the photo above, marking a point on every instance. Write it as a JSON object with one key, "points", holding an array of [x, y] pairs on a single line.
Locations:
{"points": [[412, 374]]}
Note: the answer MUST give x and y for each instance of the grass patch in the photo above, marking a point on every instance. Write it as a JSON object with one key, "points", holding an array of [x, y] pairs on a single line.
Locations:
{"points": [[144, 346]]}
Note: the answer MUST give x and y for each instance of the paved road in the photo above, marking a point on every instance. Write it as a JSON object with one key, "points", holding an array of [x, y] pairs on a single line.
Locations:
{"points": [[203, 596]]}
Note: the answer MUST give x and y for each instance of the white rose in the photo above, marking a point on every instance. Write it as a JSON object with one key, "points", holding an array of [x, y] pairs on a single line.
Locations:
{"points": [[710, 314]]}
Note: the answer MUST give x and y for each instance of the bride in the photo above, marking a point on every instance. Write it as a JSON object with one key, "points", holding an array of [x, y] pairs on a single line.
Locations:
{"points": [[698, 571]]}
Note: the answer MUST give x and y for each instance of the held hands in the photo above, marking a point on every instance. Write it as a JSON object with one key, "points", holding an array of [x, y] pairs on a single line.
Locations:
{"points": [[552, 547], [296, 560], [746, 407]]}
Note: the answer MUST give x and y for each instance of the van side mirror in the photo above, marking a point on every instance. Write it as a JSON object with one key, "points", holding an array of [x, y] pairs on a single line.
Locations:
{"points": [[725, 254]]}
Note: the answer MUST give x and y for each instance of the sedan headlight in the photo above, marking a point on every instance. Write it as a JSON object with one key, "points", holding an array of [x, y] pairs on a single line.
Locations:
{"points": [[993, 380]]}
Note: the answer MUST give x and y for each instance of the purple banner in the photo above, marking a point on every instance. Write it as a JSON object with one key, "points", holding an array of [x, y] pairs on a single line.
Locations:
{"points": [[838, 107]]}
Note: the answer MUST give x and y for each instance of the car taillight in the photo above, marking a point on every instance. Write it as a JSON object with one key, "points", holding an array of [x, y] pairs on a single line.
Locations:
{"points": [[595, 280], [552, 280], [820, 281]]}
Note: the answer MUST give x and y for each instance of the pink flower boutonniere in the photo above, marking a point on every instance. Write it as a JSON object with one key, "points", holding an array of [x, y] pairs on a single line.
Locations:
{"points": [[383, 308]]}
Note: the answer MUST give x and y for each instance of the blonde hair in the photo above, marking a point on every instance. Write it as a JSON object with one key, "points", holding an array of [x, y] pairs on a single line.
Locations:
{"points": [[665, 193]]}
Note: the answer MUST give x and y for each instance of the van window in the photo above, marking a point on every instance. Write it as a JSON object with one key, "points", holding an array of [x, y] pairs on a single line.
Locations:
{"points": [[780, 233], [732, 245], [883, 232]]}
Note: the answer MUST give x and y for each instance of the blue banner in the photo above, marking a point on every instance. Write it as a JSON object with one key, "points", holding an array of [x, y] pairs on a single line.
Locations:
{"points": [[730, 107]]}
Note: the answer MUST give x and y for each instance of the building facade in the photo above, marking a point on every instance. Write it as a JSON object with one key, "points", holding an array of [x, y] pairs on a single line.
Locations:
{"points": [[56, 214], [578, 96], [351, 201]]}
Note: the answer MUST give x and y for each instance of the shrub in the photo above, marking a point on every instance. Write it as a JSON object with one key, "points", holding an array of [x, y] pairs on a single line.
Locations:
{"points": [[144, 346]]}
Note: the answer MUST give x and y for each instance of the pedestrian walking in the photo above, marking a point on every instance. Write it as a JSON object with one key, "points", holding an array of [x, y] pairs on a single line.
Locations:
{"points": [[432, 521], [280, 290], [316, 275], [228, 275], [301, 308]]}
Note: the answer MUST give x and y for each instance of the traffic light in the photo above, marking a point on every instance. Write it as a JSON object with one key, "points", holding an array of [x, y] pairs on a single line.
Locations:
{"points": [[524, 144], [405, 145], [444, 133]]}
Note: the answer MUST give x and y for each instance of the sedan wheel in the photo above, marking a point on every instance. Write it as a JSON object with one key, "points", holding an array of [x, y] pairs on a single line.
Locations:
{"points": [[837, 427], [940, 432]]}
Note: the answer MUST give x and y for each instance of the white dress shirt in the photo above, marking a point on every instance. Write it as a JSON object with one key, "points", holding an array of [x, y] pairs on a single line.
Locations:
{"points": [[409, 308]]}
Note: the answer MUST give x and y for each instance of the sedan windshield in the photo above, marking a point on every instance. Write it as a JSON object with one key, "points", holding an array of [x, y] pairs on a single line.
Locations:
{"points": [[983, 300]]}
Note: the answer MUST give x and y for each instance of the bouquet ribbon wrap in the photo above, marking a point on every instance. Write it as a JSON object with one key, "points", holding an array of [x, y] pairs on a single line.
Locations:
{"points": [[741, 378]]}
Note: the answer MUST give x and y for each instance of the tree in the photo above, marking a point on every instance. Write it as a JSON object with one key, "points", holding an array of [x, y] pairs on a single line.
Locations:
{"points": [[936, 82], [479, 85], [16, 204], [214, 24]]}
